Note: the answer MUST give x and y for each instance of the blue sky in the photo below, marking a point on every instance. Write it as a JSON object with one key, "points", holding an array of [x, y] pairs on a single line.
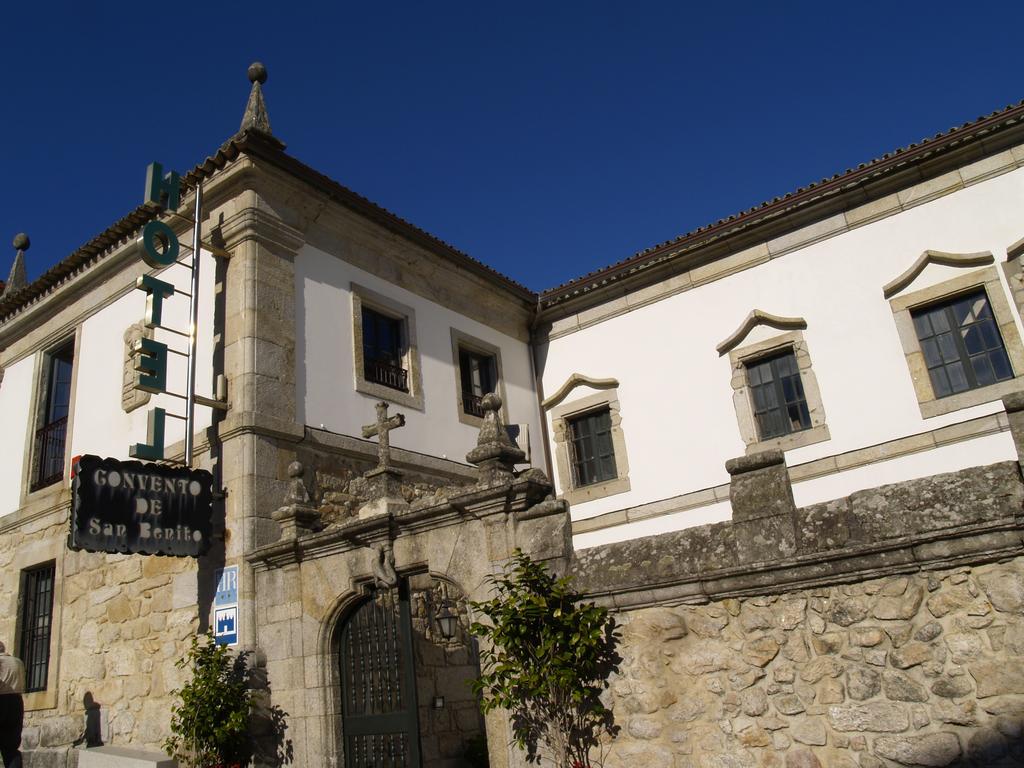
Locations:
{"points": [[545, 139]]}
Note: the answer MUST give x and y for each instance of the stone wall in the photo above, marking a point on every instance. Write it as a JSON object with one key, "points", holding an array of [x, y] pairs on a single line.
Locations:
{"points": [[448, 728], [881, 629], [922, 669], [119, 623]]}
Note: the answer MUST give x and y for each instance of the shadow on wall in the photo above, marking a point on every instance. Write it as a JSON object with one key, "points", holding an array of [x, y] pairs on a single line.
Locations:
{"points": [[92, 733]]}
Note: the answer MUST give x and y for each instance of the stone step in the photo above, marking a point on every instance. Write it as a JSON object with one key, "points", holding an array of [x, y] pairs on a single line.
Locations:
{"points": [[123, 757]]}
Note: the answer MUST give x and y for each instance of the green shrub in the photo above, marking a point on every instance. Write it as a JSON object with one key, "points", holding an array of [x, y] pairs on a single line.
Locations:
{"points": [[210, 723], [546, 660]]}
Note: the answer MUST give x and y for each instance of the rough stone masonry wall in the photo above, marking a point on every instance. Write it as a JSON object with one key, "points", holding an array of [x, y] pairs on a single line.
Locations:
{"points": [[882, 629], [923, 669], [122, 622]]}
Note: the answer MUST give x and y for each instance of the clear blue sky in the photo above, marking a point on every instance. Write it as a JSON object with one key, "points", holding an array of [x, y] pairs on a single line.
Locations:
{"points": [[545, 139]]}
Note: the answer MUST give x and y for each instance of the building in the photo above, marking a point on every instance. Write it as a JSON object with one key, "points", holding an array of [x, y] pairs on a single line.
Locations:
{"points": [[784, 447]]}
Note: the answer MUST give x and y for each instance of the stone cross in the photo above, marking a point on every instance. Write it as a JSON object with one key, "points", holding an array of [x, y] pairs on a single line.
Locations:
{"points": [[381, 429]]}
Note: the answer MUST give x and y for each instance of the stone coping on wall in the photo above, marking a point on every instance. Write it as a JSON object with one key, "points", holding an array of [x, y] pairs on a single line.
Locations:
{"points": [[971, 515]]}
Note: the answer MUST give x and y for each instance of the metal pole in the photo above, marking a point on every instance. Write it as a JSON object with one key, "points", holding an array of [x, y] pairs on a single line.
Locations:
{"points": [[193, 316]]}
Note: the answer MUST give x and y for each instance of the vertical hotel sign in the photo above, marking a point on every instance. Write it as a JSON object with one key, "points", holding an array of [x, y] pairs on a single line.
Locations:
{"points": [[129, 506], [160, 248]]}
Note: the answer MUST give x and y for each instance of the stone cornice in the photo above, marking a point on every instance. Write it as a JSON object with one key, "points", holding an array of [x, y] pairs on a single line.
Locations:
{"points": [[522, 499]]}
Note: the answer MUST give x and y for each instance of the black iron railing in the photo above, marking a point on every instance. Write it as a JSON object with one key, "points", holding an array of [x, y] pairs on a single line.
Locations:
{"points": [[471, 404], [49, 454], [386, 374]]}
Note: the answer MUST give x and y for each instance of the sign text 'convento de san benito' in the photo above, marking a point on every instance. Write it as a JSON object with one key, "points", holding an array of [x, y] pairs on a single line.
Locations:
{"points": [[128, 506]]}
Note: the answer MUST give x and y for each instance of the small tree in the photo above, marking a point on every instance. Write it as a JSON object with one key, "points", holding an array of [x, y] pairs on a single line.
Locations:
{"points": [[547, 661], [210, 724]]}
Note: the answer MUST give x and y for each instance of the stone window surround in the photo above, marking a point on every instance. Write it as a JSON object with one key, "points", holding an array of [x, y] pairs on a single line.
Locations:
{"points": [[41, 553], [461, 340], [386, 306], [39, 387], [740, 357], [902, 304], [560, 417]]}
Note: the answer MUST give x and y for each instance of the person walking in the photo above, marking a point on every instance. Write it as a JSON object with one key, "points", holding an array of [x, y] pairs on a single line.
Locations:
{"points": [[12, 708]]}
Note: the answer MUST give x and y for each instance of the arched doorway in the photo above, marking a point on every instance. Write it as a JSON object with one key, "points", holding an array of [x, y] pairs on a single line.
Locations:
{"points": [[406, 701], [378, 683]]}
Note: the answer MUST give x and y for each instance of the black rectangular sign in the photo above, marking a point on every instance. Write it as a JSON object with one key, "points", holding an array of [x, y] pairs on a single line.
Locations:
{"points": [[128, 506]]}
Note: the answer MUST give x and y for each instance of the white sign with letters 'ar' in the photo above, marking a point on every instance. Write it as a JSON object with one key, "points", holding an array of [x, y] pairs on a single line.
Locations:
{"points": [[225, 607]]}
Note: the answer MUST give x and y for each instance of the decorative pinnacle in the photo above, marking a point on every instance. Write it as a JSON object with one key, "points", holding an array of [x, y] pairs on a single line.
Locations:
{"points": [[257, 72], [17, 279], [256, 117]]}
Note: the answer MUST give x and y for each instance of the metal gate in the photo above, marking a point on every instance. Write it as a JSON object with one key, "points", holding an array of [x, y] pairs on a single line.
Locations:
{"points": [[378, 684]]}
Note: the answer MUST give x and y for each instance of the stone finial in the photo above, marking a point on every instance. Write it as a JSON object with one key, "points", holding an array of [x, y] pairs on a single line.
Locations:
{"points": [[256, 117], [495, 453], [298, 515], [17, 279], [297, 493]]}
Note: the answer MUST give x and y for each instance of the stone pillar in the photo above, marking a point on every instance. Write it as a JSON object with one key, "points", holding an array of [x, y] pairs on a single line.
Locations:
{"points": [[259, 363], [1014, 405], [762, 506]]}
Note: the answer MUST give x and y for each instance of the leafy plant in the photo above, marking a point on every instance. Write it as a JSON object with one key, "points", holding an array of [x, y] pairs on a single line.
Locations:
{"points": [[210, 724], [547, 662]]}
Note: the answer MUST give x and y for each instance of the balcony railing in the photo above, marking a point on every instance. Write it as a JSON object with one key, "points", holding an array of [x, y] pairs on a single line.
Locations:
{"points": [[49, 454], [386, 374], [471, 404]]}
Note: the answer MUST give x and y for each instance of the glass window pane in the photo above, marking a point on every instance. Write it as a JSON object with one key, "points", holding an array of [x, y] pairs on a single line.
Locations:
{"points": [[940, 382], [1001, 365], [989, 335], [930, 347], [940, 323], [957, 377], [785, 365], [972, 339], [983, 371], [947, 347], [923, 326]]}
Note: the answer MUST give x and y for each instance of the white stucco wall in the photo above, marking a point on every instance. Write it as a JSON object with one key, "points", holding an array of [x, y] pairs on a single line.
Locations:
{"points": [[676, 400], [100, 426], [15, 396], [327, 396]]}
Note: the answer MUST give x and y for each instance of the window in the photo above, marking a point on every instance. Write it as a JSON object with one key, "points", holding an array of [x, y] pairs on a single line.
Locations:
{"points": [[593, 455], [48, 452], [477, 371], [961, 344], [777, 394], [383, 355], [590, 448], [959, 340], [386, 363], [35, 617], [479, 376]]}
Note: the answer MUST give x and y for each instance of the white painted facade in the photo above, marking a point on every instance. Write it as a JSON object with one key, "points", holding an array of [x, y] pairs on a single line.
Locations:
{"points": [[97, 423], [325, 359], [676, 402]]}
